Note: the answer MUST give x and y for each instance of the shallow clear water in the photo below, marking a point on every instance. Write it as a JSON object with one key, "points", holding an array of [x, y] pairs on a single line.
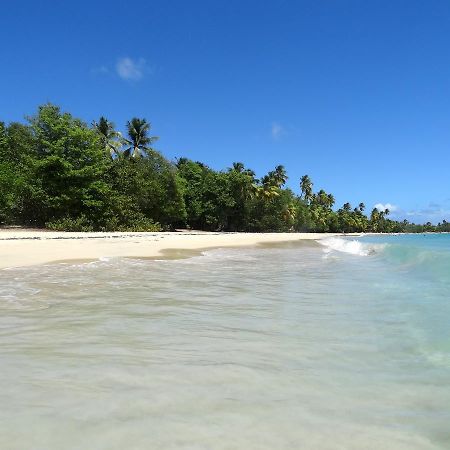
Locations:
{"points": [[343, 345]]}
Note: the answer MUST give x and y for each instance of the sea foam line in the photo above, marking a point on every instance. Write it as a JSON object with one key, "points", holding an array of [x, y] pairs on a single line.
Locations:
{"points": [[353, 246]]}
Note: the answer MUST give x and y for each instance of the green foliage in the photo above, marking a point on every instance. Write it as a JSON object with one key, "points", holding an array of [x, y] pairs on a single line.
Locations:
{"points": [[306, 186], [274, 214], [110, 138], [207, 195], [11, 178], [7, 192], [57, 172], [150, 186], [139, 141], [68, 167], [80, 223]]}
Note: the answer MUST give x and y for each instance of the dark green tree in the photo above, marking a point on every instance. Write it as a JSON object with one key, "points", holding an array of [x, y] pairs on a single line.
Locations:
{"points": [[140, 142], [306, 186], [111, 139], [69, 167]]}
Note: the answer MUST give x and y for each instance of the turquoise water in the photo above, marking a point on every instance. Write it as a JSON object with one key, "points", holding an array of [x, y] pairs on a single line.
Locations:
{"points": [[419, 265], [343, 344]]}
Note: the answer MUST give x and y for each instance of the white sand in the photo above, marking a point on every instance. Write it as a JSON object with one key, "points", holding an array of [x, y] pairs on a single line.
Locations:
{"points": [[26, 247]]}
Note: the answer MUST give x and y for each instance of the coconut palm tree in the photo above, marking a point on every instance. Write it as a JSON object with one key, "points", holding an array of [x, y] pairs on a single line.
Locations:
{"points": [[375, 219], [347, 207], [289, 213], [237, 167], [274, 179], [279, 176], [266, 191], [323, 199], [140, 142], [240, 168], [331, 200], [111, 139], [306, 186]]}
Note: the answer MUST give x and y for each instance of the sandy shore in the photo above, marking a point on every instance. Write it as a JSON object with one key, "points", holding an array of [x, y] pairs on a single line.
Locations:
{"points": [[29, 247]]}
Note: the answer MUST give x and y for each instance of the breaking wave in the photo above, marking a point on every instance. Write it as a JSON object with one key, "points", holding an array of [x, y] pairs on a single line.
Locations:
{"points": [[352, 246], [409, 254]]}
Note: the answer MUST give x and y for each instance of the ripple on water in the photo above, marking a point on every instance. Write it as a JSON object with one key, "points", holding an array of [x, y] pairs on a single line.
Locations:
{"points": [[235, 348]]}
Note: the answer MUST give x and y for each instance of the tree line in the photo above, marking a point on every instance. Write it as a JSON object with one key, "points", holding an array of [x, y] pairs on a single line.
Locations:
{"points": [[60, 173]]}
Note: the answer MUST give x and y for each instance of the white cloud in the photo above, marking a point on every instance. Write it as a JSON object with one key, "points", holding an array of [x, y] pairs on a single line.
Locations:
{"points": [[435, 212], [130, 69], [383, 206], [277, 130]]}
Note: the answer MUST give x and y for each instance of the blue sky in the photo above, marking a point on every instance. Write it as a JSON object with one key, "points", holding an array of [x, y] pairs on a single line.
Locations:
{"points": [[354, 93]]}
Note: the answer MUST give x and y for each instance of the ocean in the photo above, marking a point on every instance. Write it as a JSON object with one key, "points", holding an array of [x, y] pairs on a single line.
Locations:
{"points": [[337, 344]]}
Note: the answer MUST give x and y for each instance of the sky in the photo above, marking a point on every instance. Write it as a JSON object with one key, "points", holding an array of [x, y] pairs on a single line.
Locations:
{"points": [[354, 93]]}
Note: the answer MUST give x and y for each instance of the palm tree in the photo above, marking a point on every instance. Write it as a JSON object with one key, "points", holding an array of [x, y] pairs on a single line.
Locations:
{"points": [[331, 200], [111, 139], [306, 186], [289, 213], [139, 141], [240, 168], [279, 176], [275, 178], [347, 207], [267, 191], [375, 217], [323, 199], [237, 167]]}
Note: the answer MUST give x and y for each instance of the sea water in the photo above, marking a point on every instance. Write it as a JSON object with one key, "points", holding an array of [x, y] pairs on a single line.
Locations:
{"points": [[337, 344]]}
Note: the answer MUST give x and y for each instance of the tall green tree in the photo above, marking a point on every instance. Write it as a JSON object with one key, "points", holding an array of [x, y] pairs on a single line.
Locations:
{"points": [[209, 199], [306, 187], [56, 171], [139, 139], [69, 166], [7, 178], [152, 187], [243, 189], [111, 139]]}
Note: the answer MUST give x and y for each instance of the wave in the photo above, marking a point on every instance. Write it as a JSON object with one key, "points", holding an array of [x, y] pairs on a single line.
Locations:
{"points": [[417, 257], [352, 246], [430, 261]]}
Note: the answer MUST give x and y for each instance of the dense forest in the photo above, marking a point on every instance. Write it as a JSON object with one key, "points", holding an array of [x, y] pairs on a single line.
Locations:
{"points": [[60, 173]]}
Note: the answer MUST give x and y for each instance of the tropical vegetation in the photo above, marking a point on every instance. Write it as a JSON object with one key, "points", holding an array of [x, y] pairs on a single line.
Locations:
{"points": [[60, 173]]}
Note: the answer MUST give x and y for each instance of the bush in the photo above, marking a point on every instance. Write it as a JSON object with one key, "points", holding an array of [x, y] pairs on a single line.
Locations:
{"points": [[139, 224], [81, 223], [70, 224]]}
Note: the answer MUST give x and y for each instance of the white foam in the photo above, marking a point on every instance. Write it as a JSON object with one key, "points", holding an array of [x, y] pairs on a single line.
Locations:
{"points": [[353, 246]]}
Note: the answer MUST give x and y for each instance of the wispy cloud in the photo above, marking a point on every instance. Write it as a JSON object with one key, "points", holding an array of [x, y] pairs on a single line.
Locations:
{"points": [[277, 130], [383, 206], [434, 212], [131, 69]]}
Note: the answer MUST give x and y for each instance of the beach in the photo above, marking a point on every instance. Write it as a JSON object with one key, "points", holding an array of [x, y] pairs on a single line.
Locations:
{"points": [[335, 343], [20, 248]]}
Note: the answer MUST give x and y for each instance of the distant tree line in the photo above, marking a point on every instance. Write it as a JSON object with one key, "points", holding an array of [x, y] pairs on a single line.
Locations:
{"points": [[60, 173]]}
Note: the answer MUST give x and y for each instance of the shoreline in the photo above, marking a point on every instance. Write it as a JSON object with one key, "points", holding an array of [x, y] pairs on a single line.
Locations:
{"points": [[21, 248]]}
